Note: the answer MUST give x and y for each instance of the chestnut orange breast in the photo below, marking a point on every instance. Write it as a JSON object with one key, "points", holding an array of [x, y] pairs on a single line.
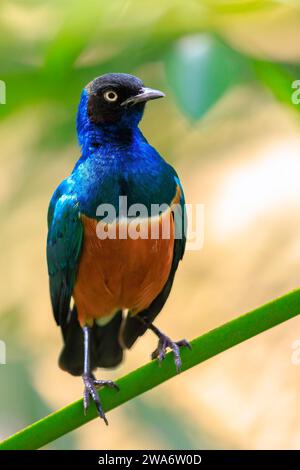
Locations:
{"points": [[122, 272]]}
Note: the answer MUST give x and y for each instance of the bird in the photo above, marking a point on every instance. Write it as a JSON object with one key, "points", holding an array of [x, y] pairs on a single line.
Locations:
{"points": [[107, 291]]}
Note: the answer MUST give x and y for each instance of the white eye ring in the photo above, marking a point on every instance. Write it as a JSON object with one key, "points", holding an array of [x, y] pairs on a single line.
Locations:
{"points": [[110, 95]]}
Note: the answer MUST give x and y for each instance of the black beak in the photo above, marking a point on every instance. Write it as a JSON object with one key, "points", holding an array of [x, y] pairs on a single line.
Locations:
{"points": [[145, 94]]}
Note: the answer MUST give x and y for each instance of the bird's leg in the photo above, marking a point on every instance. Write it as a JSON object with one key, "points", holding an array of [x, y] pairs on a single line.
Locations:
{"points": [[165, 342], [90, 383]]}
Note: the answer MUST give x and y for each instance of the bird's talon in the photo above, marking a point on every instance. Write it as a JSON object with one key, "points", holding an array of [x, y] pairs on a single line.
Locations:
{"points": [[85, 406], [90, 390], [162, 354], [185, 343], [154, 355], [160, 360], [163, 344], [106, 383]]}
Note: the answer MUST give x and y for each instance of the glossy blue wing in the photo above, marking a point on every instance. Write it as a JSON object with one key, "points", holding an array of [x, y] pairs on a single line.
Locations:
{"points": [[65, 234], [180, 219]]}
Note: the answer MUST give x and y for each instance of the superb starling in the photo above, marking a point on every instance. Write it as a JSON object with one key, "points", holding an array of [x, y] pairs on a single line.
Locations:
{"points": [[107, 290]]}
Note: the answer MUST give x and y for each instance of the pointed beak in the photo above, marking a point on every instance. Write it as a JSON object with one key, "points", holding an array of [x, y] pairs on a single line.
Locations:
{"points": [[145, 94]]}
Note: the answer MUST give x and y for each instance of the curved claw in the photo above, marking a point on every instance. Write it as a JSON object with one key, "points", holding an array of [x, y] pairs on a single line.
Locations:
{"points": [[164, 343], [90, 384], [106, 383], [184, 342]]}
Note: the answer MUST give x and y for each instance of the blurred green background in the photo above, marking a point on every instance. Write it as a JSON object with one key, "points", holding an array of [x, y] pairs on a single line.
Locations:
{"points": [[229, 126]]}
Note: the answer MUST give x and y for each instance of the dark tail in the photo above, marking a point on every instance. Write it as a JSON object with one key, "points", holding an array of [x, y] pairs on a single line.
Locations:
{"points": [[105, 348]]}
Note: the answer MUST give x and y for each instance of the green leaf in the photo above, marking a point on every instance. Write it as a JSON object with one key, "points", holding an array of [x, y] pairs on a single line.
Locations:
{"points": [[200, 69]]}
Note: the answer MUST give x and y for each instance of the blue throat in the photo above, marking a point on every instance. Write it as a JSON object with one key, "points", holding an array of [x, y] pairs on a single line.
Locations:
{"points": [[116, 160]]}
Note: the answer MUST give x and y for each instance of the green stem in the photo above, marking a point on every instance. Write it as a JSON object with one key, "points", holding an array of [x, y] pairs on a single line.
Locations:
{"points": [[149, 376]]}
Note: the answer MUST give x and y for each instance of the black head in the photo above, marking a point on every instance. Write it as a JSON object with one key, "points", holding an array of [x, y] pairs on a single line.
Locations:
{"points": [[117, 97]]}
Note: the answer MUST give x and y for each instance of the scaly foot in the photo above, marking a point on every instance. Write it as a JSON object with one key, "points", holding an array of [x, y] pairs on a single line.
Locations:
{"points": [[164, 343], [90, 390]]}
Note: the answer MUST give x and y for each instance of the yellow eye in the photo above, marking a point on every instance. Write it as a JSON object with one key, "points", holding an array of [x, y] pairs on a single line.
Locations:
{"points": [[110, 95]]}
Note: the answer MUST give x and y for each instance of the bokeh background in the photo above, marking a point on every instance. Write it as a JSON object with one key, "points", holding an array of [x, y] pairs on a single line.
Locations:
{"points": [[229, 126]]}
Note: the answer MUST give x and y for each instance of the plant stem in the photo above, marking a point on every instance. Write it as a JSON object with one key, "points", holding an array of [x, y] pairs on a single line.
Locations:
{"points": [[150, 375]]}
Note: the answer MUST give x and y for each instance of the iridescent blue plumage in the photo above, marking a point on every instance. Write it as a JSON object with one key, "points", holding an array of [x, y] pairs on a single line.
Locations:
{"points": [[120, 158], [116, 160]]}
